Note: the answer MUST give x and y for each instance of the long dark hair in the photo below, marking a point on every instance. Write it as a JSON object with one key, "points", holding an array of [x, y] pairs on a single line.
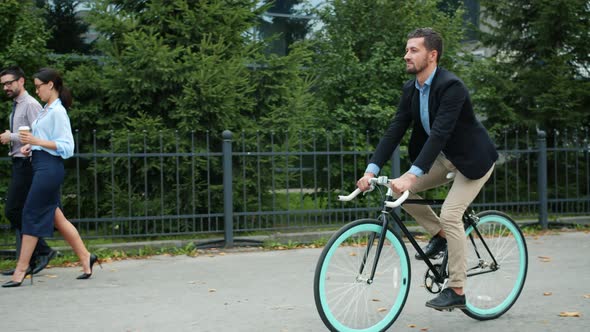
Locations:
{"points": [[47, 75]]}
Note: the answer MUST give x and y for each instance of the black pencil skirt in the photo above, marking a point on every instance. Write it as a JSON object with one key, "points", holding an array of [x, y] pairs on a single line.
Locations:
{"points": [[44, 196]]}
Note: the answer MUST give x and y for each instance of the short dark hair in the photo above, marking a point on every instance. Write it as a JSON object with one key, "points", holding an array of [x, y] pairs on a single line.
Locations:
{"points": [[15, 71], [432, 40]]}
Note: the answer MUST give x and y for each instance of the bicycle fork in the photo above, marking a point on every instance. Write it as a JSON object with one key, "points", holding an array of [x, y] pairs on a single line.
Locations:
{"points": [[377, 252], [439, 276]]}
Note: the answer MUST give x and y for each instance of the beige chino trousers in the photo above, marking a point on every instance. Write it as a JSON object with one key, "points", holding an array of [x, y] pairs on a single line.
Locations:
{"points": [[463, 191]]}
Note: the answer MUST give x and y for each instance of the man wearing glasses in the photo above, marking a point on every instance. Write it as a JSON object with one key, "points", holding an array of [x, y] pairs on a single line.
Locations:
{"points": [[24, 111]]}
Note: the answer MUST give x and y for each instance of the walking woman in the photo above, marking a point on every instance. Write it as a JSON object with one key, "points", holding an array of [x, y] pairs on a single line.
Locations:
{"points": [[50, 142]]}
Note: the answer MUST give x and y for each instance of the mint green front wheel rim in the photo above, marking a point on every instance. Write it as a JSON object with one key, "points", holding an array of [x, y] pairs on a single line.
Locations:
{"points": [[354, 305]]}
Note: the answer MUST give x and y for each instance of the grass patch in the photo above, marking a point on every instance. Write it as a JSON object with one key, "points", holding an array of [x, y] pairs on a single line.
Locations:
{"points": [[69, 259], [554, 228]]}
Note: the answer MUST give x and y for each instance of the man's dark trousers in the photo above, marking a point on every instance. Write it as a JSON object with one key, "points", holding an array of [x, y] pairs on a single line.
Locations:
{"points": [[20, 183]]}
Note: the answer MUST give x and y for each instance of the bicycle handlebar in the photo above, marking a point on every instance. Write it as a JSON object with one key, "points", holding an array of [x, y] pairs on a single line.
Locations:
{"points": [[350, 196], [384, 181], [398, 201]]}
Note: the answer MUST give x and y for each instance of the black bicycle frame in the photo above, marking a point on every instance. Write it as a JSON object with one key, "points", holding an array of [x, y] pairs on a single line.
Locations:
{"points": [[439, 277]]}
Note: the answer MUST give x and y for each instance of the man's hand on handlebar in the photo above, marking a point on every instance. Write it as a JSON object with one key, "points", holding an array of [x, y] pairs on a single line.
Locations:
{"points": [[363, 183], [399, 185], [403, 183]]}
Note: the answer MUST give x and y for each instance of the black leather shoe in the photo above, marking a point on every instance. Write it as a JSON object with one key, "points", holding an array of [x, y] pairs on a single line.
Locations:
{"points": [[434, 247], [93, 259], [8, 272], [43, 260], [447, 300], [12, 283]]}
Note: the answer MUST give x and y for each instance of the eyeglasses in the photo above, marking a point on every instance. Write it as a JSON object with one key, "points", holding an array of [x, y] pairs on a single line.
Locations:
{"points": [[37, 86], [7, 83]]}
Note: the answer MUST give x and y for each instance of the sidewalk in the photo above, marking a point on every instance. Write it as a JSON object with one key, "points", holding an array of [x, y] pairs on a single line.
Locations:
{"points": [[254, 290]]}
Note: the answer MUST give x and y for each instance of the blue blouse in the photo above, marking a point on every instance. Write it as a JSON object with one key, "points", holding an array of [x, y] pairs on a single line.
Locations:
{"points": [[53, 124]]}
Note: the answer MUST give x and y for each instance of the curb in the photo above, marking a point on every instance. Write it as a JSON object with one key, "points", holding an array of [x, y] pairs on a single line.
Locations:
{"points": [[259, 240]]}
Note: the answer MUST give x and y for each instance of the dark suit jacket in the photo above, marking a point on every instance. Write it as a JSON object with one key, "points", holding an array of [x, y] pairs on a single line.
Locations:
{"points": [[454, 129]]}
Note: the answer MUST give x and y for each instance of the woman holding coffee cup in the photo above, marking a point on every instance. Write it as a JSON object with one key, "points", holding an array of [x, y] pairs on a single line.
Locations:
{"points": [[24, 129], [50, 142]]}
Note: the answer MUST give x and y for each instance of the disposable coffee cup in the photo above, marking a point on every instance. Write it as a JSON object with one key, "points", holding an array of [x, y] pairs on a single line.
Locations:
{"points": [[23, 129]]}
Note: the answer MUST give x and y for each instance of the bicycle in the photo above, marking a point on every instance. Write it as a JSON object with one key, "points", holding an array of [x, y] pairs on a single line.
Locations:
{"points": [[362, 278]]}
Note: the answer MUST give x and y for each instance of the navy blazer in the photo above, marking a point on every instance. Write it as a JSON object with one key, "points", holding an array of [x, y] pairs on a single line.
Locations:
{"points": [[454, 130]]}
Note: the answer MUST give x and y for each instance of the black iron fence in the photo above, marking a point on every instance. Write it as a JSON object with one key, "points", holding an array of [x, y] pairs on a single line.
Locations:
{"points": [[122, 184]]}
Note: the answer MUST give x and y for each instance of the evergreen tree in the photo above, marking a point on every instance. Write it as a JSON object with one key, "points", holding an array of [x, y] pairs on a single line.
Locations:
{"points": [[168, 68], [67, 29], [541, 69], [360, 63], [190, 65], [22, 35]]}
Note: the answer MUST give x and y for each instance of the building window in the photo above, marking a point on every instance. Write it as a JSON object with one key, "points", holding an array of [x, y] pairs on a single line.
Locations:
{"points": [[286, 22]]}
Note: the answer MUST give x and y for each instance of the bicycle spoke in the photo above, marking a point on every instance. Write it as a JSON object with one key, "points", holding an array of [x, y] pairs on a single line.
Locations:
{"points": [[490, 290], [346, 299]]}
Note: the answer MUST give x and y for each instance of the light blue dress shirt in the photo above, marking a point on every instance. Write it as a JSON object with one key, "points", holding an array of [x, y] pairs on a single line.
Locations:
{"points": [[53, 124], [424, 118]]}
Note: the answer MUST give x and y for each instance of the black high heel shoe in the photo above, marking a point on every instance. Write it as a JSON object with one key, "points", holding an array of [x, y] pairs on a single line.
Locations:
{"points": [[93, 259], [13, 283]]}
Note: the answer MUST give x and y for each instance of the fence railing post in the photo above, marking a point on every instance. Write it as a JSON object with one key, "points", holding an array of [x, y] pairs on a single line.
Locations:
{"points": [[228, 204], [542, 178]]}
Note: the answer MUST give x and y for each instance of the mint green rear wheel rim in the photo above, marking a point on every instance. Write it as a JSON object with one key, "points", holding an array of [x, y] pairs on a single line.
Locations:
{"points": [[491, 295]]}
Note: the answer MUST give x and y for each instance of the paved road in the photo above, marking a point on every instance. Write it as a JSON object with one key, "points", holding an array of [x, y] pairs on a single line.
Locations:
{"points": [[258, 290]]}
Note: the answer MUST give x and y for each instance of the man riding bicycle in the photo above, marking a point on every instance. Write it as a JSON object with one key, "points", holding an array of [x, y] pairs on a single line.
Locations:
{"points": [[446, 137]]}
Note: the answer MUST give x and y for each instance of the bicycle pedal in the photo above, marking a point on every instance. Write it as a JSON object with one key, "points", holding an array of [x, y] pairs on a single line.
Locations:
{"points": [[440, 255]]}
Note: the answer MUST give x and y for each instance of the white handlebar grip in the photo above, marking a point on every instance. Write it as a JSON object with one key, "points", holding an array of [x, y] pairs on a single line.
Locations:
{"points": [[398, 201], [350, 197]]}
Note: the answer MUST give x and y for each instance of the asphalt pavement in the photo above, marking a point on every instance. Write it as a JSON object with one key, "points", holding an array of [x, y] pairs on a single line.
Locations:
{"points": [[261, 290]]}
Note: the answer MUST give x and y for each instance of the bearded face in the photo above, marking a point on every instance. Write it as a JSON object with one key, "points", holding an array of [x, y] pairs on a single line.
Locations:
{"points": [[11, 86], [417, 56]]}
